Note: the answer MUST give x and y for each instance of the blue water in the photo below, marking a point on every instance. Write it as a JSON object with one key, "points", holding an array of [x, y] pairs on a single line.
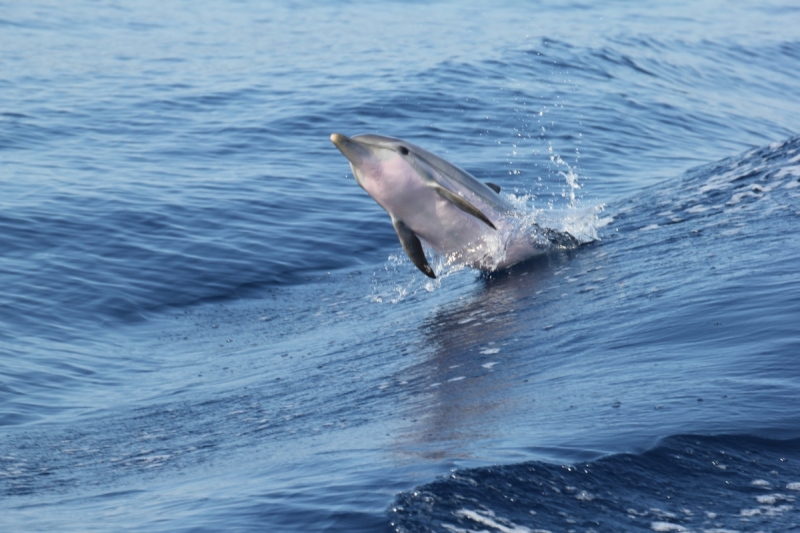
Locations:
{"points": [[206, 325]]}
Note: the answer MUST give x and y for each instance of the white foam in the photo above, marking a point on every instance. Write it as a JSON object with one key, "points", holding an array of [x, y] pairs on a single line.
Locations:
{"points": [[774, 511], [739, 196], [666, 526], [793, 486], [459, 378], [760, 483], [722, 181], [663, 514], [603, 222], [490, 351], [490, 365], [488, 518], [768, 188]]}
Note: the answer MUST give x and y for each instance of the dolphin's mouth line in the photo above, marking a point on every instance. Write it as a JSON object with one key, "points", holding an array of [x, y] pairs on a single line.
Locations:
{"points": [[351, 149], [337, 138]]}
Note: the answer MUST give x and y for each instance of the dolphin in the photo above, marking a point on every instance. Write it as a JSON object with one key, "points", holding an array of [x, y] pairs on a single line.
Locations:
{"points": [[431, 199]]}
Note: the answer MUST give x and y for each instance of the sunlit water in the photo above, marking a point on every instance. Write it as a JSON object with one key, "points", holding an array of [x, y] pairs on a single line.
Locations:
{"points": [[206, 325]]}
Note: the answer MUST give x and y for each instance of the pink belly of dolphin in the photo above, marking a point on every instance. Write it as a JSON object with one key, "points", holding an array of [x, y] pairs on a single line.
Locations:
{"points": [[465, 239]]}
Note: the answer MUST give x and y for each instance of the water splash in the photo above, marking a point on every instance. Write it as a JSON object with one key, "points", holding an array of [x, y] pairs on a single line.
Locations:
{"points": [[570, 176]]}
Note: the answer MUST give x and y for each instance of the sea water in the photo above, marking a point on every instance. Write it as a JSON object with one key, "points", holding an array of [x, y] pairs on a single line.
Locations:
{"points": [[205, 325]]}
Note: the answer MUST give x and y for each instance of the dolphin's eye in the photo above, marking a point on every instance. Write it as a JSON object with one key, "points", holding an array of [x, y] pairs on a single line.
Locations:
{"points": [[403, 150]]}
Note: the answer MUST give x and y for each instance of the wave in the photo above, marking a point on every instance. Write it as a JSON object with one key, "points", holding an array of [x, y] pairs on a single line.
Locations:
{"points": [[686, 483]]}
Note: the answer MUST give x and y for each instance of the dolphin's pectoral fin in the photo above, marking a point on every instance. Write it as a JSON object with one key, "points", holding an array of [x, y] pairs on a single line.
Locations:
{"points": [[462, 204], [412, 247], [495, 188]]}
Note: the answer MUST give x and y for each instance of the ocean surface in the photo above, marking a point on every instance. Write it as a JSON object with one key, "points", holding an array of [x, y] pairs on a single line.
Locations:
{"points": [[206, 325]]}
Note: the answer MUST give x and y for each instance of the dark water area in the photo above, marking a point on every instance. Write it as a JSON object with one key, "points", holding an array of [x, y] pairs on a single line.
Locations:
{"points": [[206, 325], [685, 483]]}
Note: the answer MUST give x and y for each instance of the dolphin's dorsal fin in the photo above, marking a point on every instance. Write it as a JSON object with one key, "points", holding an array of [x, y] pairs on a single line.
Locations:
{"points": [[412, 247], [495, 188], [461, 203]]}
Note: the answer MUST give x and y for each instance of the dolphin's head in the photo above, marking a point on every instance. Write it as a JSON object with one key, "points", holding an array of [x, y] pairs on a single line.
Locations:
{"points": [[381, 165]]}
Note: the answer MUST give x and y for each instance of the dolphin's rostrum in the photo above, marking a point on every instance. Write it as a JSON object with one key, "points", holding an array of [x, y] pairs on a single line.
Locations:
{"points": [[430, 199]]}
